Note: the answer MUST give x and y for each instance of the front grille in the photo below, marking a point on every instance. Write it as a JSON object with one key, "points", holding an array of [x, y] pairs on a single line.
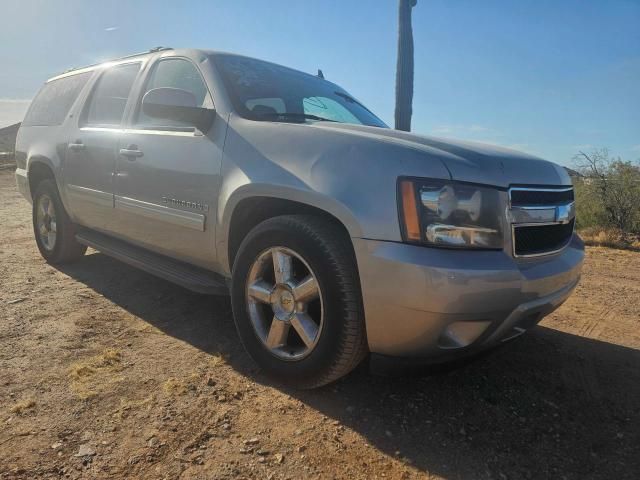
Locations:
{"points": [[540, 239], [542, 219], [540, 197]]}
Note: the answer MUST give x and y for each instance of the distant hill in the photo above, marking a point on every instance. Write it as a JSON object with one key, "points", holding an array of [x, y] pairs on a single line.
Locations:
{"points": [[8, 138], [572, 173]]}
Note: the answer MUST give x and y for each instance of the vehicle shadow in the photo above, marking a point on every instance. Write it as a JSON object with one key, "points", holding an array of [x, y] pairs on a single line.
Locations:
{"points": [[550, 405]]}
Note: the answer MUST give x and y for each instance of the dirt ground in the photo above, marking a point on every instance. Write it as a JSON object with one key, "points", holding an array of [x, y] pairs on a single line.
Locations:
{"points": [[107, 372]]}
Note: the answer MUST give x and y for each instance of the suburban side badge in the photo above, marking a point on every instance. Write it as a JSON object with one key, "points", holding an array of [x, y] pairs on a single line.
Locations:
{"points": [[174, 202]]}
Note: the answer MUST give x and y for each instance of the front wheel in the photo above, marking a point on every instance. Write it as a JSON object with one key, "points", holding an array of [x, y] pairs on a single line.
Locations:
{"points": [[296, 300], [52, 227]]}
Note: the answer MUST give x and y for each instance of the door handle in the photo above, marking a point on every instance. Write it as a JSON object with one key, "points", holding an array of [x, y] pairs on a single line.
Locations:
{"points": [[77, 145], [131, 152]]}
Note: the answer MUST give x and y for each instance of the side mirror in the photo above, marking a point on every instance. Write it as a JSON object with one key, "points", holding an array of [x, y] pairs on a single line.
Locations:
{"points": [[178, 105]]}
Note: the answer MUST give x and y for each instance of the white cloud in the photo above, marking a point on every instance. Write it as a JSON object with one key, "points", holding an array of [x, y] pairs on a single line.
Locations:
{"points": [[111, 29], [12, 110], [635, 148]]}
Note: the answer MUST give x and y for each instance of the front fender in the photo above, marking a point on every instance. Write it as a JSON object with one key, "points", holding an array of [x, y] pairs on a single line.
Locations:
{"points": [[232, 196], [350, 176]]}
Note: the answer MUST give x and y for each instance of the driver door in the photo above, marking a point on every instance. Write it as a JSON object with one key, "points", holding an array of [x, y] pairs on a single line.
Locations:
{"points": [[168, 173]]}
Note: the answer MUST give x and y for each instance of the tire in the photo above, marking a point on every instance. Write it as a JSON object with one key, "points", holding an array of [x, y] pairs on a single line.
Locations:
{"points": [[321, 247], [61, 247]]}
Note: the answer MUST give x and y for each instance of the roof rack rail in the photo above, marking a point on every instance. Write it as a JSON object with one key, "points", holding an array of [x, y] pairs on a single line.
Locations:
{"points": [[151, 50]]}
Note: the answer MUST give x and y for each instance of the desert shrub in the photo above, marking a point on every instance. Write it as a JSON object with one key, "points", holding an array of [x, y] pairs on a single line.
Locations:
{"points": [[589, 210], [608, 194], [610, 237]]}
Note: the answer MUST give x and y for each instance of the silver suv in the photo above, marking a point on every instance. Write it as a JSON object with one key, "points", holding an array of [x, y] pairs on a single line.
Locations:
{"points": [[336, 236]]}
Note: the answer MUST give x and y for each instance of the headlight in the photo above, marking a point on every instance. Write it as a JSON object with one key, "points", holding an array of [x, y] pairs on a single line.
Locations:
{"points": [[450, 214]]}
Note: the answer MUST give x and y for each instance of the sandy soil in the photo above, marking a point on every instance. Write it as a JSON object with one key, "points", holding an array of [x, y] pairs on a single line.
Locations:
{"points": [[107, 372]]}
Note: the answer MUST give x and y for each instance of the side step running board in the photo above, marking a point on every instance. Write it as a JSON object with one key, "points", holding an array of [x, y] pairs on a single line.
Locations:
{"points": [[190, 277]]}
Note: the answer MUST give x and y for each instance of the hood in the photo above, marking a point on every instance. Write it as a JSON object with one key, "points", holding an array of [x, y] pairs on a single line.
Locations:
{"points": [[468, 161]]}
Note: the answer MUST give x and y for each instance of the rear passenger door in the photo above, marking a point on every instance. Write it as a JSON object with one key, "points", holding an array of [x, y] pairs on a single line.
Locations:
{"points": [[168, 172], [92, 149]]}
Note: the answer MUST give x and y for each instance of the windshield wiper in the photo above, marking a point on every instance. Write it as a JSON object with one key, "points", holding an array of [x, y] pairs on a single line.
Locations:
{"points": [[292, 115]]}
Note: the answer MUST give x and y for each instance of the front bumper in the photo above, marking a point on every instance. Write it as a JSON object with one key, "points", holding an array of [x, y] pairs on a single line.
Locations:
{"points": [[444, 304]]}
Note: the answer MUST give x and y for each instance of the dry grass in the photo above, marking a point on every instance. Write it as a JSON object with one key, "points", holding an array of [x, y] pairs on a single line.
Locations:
{"points": [[23, 406], [175, 386], [127, 406], [612, 238], [89, 376], [109, 359], [217, 360], [180, 386]]}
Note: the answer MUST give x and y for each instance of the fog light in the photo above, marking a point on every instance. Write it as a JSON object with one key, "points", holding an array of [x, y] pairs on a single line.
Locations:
{"points": [[462, 334]]}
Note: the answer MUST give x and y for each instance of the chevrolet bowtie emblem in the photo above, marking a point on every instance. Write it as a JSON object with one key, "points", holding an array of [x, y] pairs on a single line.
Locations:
{"points": [[565, 213]]}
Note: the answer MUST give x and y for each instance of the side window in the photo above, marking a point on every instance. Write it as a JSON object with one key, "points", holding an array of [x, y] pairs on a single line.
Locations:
{"points": [[174, 73], [53, 101], [109, 96], [326, 108], [265, 106]]}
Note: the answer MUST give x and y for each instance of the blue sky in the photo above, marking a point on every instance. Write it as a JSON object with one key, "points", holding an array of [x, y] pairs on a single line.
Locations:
{"points": [[546, 77]]}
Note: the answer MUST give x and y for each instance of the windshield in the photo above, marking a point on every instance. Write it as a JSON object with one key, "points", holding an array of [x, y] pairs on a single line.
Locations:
{"points": [[268, 92]]}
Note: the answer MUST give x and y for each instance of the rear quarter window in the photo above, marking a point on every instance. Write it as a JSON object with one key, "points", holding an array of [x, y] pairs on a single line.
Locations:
{"points": [[53, 101]]}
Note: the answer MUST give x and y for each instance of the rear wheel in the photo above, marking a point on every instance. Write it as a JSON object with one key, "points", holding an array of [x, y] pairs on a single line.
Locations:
{"points": [[296, 300], [54, 231]]}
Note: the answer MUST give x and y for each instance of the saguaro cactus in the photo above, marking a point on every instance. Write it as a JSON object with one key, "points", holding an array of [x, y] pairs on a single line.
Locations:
{"points": [[404, 68]]}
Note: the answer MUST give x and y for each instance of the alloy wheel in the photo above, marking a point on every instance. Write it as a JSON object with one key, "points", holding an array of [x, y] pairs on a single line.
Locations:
{"points": [[284, 302], [46, 224]]}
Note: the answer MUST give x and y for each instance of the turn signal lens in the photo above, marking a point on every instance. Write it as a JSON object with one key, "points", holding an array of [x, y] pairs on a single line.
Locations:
{"points": [[410, 211]]}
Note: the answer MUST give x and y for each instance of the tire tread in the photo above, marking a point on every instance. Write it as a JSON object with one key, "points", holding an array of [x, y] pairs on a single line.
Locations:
{"points": [[67, 248], [337, 249]]}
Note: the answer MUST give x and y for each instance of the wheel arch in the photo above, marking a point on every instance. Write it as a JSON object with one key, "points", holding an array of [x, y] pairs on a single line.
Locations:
{"points": [[244, 212], [39, 169]]}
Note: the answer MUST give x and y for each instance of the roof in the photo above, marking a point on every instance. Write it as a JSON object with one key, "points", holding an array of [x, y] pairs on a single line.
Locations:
{"points": [[188, 51], [76, 70]]}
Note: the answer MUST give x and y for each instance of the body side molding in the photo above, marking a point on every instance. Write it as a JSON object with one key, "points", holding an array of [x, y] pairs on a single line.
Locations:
{"points": [[98, 197], [194, 221]]}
